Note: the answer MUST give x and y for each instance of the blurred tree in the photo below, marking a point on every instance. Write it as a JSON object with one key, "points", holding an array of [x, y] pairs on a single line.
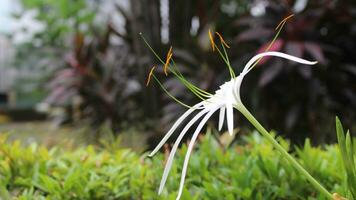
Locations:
{"points": [[318, 93], [293, 99]]}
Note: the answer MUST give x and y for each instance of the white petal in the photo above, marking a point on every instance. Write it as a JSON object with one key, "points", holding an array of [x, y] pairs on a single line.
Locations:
{"points": [[236, 89], [174, 127], [190, 148], [175, 147], [230, 118], [277, 54], [221, 117]]}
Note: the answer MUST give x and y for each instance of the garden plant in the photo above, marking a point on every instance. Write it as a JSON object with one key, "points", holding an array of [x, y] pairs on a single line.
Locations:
{"points": [[248, 169]]}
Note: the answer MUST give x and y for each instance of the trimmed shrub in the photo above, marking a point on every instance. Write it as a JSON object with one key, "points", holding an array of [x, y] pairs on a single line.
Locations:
{"points": [[248, 170]]}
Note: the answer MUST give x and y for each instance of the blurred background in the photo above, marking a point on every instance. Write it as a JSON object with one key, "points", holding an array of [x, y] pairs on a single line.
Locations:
{"points": [[76, 69]]}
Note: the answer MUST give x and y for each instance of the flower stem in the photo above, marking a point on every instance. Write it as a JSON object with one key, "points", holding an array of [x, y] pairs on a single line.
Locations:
{"points": [[284, 153]]}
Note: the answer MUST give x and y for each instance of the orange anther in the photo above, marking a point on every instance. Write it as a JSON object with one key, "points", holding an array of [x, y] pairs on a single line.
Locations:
{"points": [[169, 56], [149, 75], [222, 40], [284, 21], [211, 40]]}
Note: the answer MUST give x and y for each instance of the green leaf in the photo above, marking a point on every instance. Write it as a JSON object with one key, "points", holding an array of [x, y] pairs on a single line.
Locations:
{"points": [[347, 154]]}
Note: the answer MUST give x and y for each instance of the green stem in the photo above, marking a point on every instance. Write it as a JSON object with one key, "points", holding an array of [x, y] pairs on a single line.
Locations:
{"points": [[284, 153]]}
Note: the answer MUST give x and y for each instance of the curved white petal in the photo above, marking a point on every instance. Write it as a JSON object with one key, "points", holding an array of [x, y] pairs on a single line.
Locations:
{"points": [[221, 117], [174, 127], [175, 147], [190, 148], [230, 118], [236, 89], [276, 54]]}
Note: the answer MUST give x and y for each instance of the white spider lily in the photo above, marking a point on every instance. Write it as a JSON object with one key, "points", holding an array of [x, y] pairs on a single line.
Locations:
{"points": [[224, 99]]}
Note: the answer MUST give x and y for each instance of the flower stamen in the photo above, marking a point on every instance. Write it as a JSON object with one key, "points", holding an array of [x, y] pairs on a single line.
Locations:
{"points": [[211, 40], [169, 56], [284, 21], [223, 52], [222, 40], [150, 75], [279, 28], [200, 93]]}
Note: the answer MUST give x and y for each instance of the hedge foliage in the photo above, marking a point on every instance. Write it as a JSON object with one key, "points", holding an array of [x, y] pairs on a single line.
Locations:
{"points": [[248, 170]]}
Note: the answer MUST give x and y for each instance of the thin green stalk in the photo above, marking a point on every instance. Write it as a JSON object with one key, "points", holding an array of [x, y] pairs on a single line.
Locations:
{"points": [[169, 94], [197, 91], [270, 44], [180, 76], [231, 71], [284, 153]]}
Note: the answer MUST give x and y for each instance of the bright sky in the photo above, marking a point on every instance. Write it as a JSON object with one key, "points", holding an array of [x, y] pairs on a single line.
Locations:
{"points": [[21, 29], [5, 15], [24, 27]]}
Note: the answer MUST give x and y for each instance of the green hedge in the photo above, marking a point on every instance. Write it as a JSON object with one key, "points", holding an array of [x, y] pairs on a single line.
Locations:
{"points": [[248, 170]]}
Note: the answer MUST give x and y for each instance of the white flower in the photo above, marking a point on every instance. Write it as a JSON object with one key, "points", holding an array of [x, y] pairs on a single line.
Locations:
{"points": [[226, 98]]}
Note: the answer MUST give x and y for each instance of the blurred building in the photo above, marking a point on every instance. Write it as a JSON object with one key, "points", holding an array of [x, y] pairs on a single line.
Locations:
{"points": [[7, 72]]}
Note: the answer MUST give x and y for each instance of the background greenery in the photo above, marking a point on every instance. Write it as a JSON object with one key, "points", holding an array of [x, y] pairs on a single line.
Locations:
{"points": [[95, 70], [249, 169]]}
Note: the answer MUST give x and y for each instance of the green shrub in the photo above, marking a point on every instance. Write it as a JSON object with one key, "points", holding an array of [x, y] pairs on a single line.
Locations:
{"points": [[250, 170]]}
